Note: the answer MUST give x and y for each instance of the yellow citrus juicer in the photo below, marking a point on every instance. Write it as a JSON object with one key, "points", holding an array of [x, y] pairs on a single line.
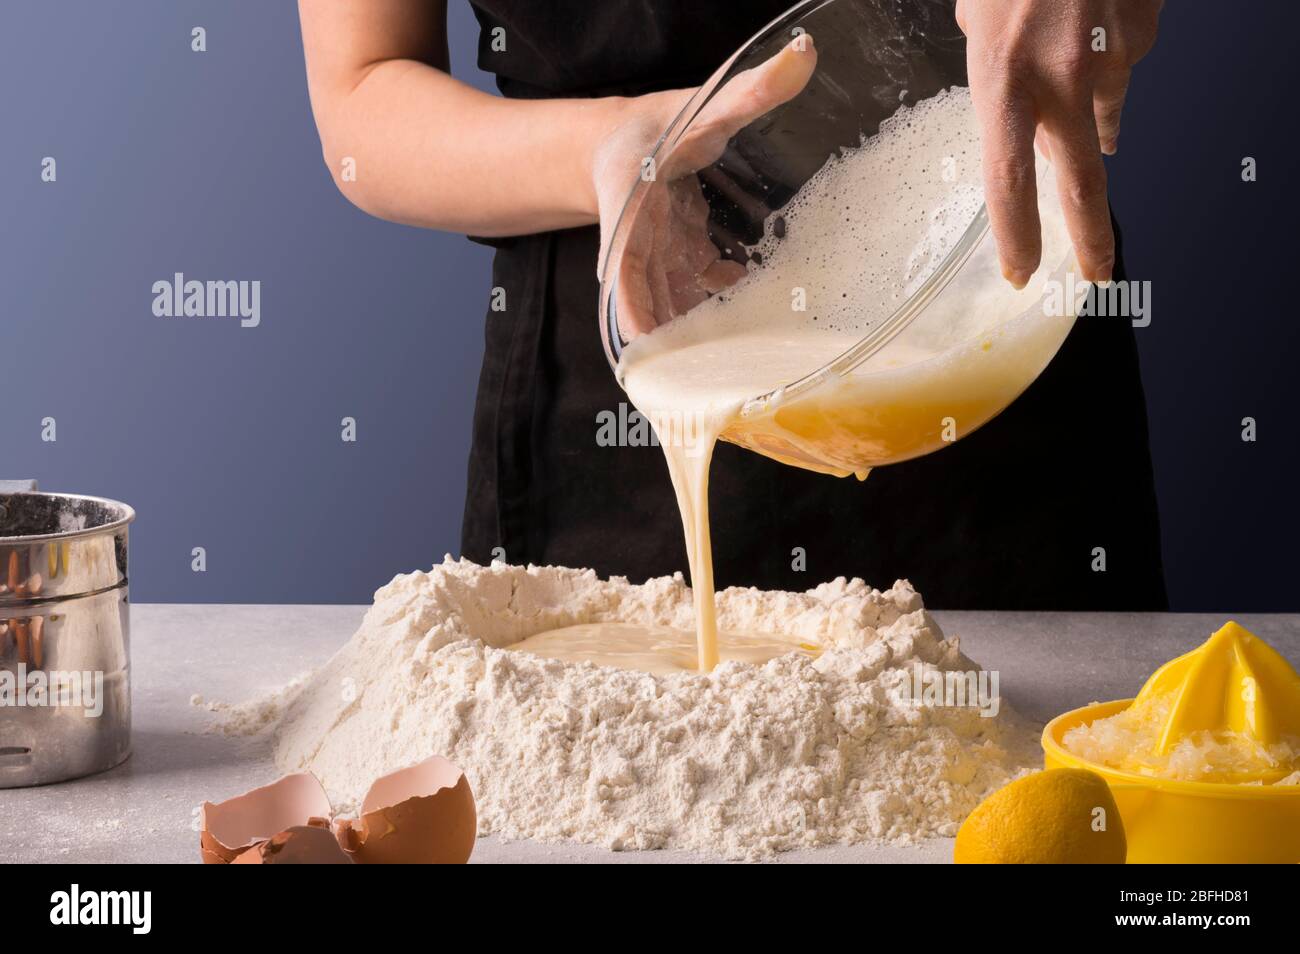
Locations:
{"points": [[1233, 683]]}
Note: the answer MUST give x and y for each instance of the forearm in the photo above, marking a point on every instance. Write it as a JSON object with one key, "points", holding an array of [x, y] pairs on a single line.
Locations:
{"points": [[432, 151]]}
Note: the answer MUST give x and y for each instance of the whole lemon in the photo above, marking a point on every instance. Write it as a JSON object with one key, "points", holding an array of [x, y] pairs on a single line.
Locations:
{"points": [[1060, 816]]}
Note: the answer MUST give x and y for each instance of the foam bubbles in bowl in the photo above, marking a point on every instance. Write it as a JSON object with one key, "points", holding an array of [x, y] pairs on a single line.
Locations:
{"points": [[867, 230]]}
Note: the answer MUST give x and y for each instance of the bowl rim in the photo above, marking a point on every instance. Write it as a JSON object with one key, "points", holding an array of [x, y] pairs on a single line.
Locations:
{"points": [[126, 514], [1121, 779]]}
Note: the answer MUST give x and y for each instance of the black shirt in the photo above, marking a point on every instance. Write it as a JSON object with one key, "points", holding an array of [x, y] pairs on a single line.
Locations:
{"points": [[1010, 517]]}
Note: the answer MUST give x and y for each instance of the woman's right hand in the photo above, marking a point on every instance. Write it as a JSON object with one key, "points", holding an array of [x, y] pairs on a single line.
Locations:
{"points": [[668, 264]]}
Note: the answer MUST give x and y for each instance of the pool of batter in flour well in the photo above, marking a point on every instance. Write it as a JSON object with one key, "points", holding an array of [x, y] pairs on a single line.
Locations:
{"points": [[804, 735]]}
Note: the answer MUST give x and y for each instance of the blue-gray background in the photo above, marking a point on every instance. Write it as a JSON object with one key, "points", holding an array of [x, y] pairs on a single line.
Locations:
{"points": [[228, 438]]}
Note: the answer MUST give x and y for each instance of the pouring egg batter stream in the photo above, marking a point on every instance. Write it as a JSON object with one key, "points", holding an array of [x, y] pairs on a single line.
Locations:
{"points": [[969, 354]]}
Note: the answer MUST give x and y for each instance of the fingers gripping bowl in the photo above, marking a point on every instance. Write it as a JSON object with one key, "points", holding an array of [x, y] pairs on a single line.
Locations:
{"points": [[809, 239]]}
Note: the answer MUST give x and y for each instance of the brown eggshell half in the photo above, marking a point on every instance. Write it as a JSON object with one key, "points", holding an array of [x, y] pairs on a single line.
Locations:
{"points": [[299, 845], [231, 827], [419, 815], [213, 853]]}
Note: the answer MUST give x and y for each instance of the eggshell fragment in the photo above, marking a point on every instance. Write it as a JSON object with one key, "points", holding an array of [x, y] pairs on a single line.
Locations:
{"points": [[299, 845], [231, 827], [419, 815]]}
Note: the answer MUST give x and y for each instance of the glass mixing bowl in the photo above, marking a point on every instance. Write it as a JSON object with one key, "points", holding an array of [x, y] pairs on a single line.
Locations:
{"points": [[875, 59]]}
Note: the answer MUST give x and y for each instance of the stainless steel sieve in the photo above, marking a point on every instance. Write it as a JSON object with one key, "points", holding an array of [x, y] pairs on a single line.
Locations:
{"points": [[65, 688]]}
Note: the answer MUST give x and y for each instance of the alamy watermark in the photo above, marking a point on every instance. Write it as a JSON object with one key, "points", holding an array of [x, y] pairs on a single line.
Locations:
{"points": [[53, 689], [182, 298], [1120, 299], [133, 909], [628, 427], [952, 688]]}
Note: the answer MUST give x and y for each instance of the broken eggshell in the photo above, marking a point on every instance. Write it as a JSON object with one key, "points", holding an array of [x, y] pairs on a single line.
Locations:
{"points": [[418, 815], [230, 828], [300, 845]]}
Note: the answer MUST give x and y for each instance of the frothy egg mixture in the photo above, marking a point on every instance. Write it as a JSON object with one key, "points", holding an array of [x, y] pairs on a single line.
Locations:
{"points": [[852, 247]]}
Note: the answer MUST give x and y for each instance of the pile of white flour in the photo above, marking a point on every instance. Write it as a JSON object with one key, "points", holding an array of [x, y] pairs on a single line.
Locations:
{"points": [[744, 761]]}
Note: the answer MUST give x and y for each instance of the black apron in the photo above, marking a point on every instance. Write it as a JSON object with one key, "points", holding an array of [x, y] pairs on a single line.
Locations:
{"points": [[1015, 516]]}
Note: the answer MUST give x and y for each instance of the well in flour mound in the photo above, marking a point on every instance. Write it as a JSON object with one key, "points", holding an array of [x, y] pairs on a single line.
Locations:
{"points": [[743, 761]]}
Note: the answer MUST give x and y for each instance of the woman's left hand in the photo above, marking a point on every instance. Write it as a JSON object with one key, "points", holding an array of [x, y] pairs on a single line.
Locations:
{"points": [[668, 263]]}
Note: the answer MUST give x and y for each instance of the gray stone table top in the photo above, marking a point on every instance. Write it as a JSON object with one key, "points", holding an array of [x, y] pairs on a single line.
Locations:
{"points": [[146, 809]]}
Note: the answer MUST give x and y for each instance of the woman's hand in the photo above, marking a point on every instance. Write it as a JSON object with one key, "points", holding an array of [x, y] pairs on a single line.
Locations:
{"points": [[1055, 71], [669, 264]]}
